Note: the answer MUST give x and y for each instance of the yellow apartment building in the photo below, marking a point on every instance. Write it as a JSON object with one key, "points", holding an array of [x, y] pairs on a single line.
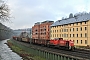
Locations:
{"points": [[76, 29]]}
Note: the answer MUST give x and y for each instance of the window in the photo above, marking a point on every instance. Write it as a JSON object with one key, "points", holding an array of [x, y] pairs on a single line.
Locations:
{"points": [[73, 24], [57, 26], [62, 30], [45, 33], [70, 24], [41, 29], [70, 29], [76, 29], [77, 35], [61, 25], [70, 35], [62, 35], [81, 23], [48, 30], [85, 41], [76, 23], [77, 41], [73, 40], [36, 30], [57, 30], [85, 22], [53, 35], [81, 28], [81, 35], [67, 35], [67, 30], [85, 28], [73, 35], [85, 34], [48, 34], [48, 37], [73, 29], [57, 35], [36, 33], [81, 41], [41, 33]]}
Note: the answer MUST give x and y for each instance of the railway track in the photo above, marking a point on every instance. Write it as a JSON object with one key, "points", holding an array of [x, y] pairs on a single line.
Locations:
{"points": [[82, 51], [77, 53], [80, 54]]}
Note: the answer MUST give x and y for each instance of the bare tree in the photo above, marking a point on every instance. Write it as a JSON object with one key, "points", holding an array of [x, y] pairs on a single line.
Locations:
{"points": [[4, 11]]}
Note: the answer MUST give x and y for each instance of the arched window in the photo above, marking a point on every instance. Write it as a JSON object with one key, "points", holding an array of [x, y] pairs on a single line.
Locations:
{"points": [[77, 41], [81, 41]]}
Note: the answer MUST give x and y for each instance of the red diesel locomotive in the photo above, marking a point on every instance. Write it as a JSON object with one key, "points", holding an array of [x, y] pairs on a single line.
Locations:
{"points": [[59, 43]]}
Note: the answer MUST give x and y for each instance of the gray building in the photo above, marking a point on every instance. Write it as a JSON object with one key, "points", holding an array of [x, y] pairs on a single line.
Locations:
{"points": [[18, 31]]}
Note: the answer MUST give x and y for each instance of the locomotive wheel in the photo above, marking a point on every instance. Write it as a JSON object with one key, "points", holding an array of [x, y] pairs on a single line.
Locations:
{"points": [[73, 48], [70, 48]]}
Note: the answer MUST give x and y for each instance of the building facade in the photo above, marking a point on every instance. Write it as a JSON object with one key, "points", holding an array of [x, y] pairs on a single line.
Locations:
{"points": [[36, 31], [42, 30], [75, 29]]}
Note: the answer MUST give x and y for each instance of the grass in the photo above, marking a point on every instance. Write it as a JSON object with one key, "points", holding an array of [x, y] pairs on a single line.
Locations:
{"points": [[25, 55]]}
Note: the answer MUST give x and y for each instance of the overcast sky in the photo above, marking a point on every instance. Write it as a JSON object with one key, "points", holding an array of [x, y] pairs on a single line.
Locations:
{"points": [[27, 12]]}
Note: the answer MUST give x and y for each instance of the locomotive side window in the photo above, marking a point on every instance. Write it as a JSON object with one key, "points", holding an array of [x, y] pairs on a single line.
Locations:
{"points": [[67, 43]]}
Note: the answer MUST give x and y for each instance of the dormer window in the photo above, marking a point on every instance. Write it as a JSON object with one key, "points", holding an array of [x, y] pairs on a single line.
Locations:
{"points": [[85, 22], [76, 23], [81, 23]]}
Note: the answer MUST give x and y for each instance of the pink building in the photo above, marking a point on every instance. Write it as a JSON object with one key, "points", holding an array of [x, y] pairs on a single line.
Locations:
{"points": [[42, 30]]}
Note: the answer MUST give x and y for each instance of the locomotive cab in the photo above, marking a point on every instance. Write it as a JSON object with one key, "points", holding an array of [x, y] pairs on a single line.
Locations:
{"points": [[70, 45]]}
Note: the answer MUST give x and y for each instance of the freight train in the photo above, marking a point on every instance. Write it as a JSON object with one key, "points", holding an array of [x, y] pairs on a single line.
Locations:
{"points": [[57, 42]]}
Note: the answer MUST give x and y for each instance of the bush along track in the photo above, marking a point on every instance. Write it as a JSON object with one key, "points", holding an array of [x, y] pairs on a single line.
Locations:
{"points": [[25, 55]]}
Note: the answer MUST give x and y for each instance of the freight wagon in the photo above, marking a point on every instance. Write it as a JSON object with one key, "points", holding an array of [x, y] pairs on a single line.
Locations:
{"points": [[24, 36]]}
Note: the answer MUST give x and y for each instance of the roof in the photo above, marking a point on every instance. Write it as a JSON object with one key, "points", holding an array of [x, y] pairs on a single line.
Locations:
{"points": [[47, 21], [80, 18]]}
